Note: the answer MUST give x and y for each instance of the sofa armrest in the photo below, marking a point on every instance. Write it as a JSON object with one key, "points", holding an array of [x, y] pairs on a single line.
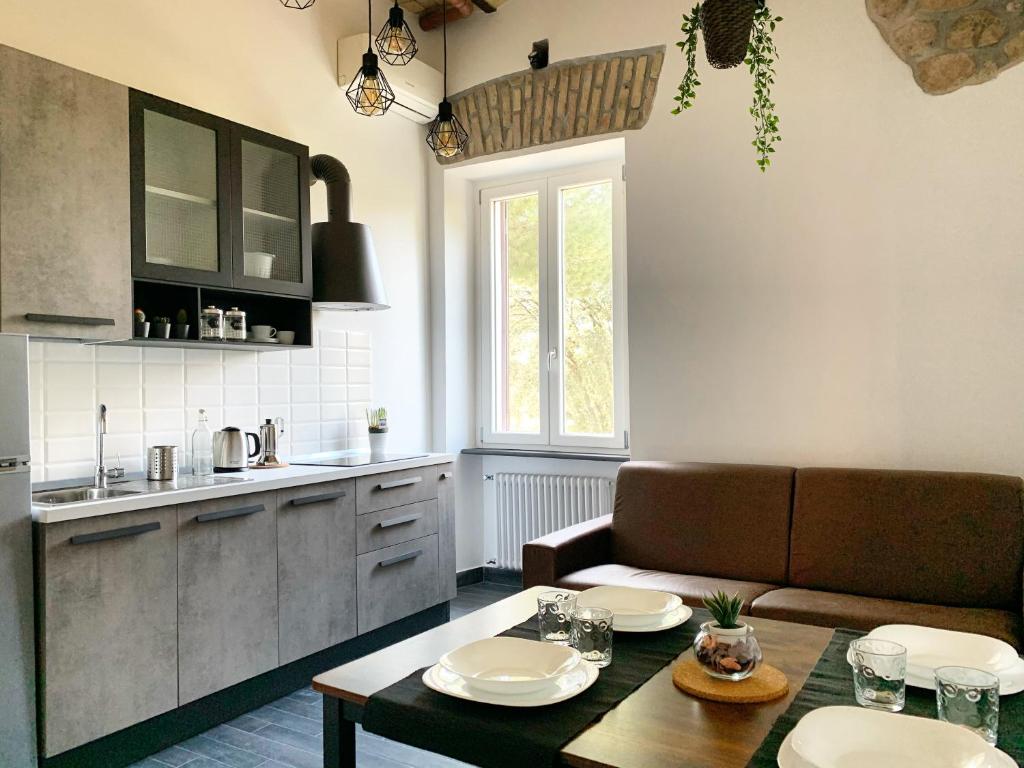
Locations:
{"points": [[547, 559]]}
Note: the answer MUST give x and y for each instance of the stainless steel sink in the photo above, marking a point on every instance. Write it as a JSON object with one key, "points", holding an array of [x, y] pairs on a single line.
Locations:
{"points": [[73, 495]]}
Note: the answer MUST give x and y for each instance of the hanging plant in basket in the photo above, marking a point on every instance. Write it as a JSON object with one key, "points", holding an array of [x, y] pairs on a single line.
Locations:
{"points": [[735, 32]]}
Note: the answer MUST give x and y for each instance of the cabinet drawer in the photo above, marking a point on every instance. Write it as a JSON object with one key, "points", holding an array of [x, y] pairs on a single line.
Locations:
{"points": [[396, 582], [393, 489], [396, 525], [108, 631]]}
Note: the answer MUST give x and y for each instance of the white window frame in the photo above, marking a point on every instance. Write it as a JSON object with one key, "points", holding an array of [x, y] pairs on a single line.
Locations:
{"points": [[550, 358]]}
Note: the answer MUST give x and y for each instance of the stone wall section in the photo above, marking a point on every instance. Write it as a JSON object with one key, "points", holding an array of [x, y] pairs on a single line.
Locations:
{"points": [[567, 100], [952, 43]]}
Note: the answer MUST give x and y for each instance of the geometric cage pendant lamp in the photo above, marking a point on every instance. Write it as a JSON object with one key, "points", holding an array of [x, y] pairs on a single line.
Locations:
{"points": [[369, 93], [395, 41], [446, 136]]}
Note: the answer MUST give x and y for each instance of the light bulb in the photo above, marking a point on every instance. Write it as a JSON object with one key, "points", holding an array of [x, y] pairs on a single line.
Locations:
{"points": [[447, 144], [396, 43], [370, 99]]}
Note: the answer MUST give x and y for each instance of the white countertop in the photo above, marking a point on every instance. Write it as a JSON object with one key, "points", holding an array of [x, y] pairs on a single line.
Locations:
{"points": [[255, 481]]}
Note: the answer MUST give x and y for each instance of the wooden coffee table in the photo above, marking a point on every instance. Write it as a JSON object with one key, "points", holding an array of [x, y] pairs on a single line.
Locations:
{"points": [[655, 727]]}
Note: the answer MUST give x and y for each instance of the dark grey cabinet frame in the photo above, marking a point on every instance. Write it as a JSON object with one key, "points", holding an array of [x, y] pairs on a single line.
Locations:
{"points": [[231, 272]]}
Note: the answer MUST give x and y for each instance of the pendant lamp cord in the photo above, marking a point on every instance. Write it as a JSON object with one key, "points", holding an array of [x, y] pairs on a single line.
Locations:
{"points": [[369, 25], [444, 34]]}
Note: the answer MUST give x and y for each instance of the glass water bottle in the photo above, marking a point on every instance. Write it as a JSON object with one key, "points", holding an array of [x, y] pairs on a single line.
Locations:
{"points": [[202, 447]]}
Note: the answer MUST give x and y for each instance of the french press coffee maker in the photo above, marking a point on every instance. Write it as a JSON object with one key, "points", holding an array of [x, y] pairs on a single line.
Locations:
{"points": [[270, 430]]}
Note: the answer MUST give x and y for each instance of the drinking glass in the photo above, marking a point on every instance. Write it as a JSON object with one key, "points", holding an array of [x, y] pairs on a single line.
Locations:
{"points": [[879, 673], [592, 634], [969, 697], [554, 616]]}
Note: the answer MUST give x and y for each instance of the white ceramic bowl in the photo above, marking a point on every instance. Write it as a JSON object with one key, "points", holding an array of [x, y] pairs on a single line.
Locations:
{"points": [[840, 737], [632, 607], [510, 665]]}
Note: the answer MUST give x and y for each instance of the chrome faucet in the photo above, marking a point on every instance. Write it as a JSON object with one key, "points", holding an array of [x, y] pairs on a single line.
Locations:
{"points": [[102, 473]]}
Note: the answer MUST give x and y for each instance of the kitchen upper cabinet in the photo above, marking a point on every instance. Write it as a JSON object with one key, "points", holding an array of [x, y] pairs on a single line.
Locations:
{"points": [[217, 204], [65, 239], [316, 567], [181, 192], [227, 592], [108, 640]]}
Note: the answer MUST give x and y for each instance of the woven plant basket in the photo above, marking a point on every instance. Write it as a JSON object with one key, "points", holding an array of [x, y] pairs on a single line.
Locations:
{"points": [[726, 25]]}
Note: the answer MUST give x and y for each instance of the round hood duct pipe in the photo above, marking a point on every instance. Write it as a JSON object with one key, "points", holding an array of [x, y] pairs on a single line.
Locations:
{"points": [[345, 271]]}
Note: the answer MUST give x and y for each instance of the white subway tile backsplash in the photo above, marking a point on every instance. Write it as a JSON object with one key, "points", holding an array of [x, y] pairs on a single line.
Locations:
{"points": [[305, 356], [274, 375], [163, 355], [164, 397], [359, 357], [204, 396], [153, 396]]}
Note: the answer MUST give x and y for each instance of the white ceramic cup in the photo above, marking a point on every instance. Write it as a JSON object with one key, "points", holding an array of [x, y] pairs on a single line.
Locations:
{"points": [[286, 337], [263, 332]]}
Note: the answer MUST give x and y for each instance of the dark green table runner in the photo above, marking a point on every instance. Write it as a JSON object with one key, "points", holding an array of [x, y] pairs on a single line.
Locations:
{"points": [[831, 683], [505, 737]]}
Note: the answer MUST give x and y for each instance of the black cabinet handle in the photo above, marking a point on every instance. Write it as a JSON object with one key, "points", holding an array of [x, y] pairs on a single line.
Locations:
{"points": [[446, 476], [401, 558], [224, 514], [33, 317], [115, 533], [400, 520], [318, 498], [399, 483]]}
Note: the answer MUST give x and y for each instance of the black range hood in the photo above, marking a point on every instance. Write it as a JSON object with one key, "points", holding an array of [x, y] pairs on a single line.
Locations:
{"points": [[346, 276]]}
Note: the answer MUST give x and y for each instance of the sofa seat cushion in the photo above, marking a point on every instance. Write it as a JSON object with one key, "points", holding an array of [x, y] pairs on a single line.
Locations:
{"points": [[832, 609], [691, 588]]}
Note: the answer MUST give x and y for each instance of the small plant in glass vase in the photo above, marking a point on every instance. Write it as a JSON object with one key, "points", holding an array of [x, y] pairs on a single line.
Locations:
{"points": [[726, 647], [377, 424]]}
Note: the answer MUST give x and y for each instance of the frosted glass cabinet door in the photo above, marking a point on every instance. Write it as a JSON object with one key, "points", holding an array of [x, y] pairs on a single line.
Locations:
{"points": [[271, 231], [180, 193]]}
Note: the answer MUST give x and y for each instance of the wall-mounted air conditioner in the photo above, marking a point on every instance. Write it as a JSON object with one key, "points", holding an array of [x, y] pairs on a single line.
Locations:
{"points": [[418, 87]]}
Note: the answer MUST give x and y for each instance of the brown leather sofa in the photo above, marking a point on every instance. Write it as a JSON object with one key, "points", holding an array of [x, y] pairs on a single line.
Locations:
{"points": [[849, 548]]}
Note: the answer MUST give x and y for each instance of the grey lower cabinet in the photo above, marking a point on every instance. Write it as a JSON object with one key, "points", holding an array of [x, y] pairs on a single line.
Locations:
{"points": [[316, 567], [108, 640], [142, 612], [227, 592], [446, 530], [65, 243]]}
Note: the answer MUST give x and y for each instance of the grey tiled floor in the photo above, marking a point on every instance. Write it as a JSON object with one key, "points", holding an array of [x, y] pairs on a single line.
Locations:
{"points": [[288, 733]]}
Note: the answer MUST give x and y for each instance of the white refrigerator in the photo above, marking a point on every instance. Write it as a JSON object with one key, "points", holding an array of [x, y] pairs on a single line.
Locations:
{"points": [[17, 640]]}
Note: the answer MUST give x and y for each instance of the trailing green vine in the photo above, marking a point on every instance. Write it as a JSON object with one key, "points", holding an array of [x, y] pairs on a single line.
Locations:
{"points": [[689, 83], [760, 60], [761, 56]]}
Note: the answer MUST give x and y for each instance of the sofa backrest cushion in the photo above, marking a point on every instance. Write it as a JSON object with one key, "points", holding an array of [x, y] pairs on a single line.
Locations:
{"points": [[727, 520], [944, 538]]}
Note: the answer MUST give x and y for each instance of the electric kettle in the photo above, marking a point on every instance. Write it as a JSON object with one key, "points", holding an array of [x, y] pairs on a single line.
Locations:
{"points": [[231, 449]]}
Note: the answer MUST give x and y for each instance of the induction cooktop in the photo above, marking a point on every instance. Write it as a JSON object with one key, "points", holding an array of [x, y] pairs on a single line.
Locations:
{"points": [[355, 459]]}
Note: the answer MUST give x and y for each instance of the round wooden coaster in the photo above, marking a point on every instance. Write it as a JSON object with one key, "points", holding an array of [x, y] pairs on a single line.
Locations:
{"points": [[767, 683]]}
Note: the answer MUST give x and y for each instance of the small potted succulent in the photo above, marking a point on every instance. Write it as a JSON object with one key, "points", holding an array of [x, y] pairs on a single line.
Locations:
{"points": [[141, 326], [377, 423], [161, 328], [181, 325], [726, 647]]}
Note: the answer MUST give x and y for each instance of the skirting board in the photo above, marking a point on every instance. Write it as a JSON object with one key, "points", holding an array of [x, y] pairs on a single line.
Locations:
{"points": [[494, 575], [469, 576], [138, 741]]}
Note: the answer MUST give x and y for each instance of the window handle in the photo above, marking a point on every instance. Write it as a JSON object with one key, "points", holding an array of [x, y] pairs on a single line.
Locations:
{"points": [[552, 357]]}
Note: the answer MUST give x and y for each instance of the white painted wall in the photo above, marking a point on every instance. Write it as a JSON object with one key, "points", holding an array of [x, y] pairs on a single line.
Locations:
{"points": [[863, 302], [258, 63]]}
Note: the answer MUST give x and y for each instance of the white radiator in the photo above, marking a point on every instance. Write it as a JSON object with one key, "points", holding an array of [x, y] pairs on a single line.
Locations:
{"points": [[530, 506]]}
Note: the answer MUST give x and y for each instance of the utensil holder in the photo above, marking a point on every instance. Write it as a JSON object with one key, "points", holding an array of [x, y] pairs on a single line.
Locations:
{"points": [[162, 463]]}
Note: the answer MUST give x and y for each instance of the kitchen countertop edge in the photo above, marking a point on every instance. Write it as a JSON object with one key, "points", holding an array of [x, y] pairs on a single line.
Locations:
{"points": [[261, 480]]}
